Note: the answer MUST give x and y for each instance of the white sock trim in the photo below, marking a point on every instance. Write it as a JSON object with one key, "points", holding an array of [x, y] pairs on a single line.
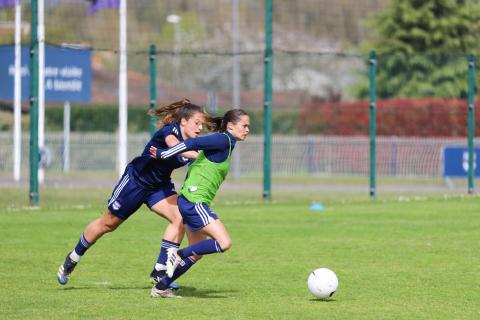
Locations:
{"points": [[74, 256], [159, 266]]}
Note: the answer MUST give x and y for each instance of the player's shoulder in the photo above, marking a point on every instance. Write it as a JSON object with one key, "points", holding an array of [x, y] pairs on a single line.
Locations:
{"points": [[171, 128], [222, 139], [219, 136]]}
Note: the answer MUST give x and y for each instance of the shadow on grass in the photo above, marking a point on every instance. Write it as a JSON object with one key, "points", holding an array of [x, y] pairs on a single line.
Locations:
{"points": [[101, 287], [183, 291], [322, 300], [204, 293]]}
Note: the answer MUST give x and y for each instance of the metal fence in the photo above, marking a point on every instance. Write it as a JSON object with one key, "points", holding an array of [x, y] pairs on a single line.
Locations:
{"points": [[291, 155]]}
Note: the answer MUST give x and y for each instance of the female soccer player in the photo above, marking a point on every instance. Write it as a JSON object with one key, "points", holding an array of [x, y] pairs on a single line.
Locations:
{"points": [[203, 180], [148, 181]]}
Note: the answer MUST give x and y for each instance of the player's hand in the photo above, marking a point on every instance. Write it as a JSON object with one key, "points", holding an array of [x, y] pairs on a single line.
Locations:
{"points": [[155, 152]]}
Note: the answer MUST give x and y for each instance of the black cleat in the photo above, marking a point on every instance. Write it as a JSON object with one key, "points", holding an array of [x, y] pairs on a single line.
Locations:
{"points": [[65, 269], [157, 275]]}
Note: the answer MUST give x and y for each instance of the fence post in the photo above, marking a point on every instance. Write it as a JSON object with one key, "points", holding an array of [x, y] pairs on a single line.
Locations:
{"points": [[34, 152], [372, 59], [153, 86], [471, 121], [267, 102]]}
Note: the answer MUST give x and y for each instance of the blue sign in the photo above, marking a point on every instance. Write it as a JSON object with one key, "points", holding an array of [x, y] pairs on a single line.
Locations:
{"points": [[68, 74], [455, 161]]}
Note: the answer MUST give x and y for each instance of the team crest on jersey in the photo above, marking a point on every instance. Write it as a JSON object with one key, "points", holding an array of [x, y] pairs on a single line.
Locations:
{"points": [[116, 205]]}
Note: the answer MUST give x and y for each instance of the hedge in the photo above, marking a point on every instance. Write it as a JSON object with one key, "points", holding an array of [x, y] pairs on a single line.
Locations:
{"points": [[105, 118], [426, 117]]}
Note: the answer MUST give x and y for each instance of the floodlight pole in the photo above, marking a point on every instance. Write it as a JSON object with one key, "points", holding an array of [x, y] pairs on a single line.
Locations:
{"points": [[471, 122], [372, 60], [122, 91], [17, 126], [267, 103], [34, 154], [153, 86]]}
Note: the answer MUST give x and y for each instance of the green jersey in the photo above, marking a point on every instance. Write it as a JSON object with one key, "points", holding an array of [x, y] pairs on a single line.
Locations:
{"points": [[204, 177]]}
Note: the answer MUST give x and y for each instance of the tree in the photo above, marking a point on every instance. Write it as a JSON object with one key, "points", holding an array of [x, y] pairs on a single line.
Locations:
{"points": [[422, 47]]}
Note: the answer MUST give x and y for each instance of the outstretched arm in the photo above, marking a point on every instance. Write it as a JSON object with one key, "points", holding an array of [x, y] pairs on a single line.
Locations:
{"points": [[216, 141], [172, 141]]}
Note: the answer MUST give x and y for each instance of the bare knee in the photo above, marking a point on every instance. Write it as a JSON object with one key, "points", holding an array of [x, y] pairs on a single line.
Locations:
{"points": [[225, 244], [176, 220], [109, 227]]}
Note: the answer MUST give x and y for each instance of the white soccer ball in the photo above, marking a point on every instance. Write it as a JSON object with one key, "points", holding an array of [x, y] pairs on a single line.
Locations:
{"points": [[322, 283]]}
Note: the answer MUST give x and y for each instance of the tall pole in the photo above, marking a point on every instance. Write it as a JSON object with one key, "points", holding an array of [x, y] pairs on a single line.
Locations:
{"points": [[175, 20], [153, 86], [17, 93], [235, 62], [41, 84], [373, 95], [34, 198], [66, 136], [471, 122], [235, 82], [122, 91], [267, 103]]}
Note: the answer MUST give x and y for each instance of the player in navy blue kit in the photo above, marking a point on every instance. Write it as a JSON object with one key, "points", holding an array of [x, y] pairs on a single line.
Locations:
{"points": [[147, 181], [205, 175]]}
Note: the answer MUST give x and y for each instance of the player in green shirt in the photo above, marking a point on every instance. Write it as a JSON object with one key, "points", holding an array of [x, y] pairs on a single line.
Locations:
{"points": [[205, 175]]}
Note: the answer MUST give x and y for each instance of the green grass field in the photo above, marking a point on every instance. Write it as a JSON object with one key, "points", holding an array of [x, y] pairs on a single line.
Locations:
{"points": [[396, 258]]}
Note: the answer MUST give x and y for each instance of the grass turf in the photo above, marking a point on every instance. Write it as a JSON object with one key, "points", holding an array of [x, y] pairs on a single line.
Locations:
{"points": [[404, 258]]}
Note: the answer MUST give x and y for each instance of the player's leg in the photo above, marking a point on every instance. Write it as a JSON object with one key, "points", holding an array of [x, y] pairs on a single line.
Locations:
{"points": [[198, 216], [94, 231], [164, 204], [160, 289], [126, 199]]}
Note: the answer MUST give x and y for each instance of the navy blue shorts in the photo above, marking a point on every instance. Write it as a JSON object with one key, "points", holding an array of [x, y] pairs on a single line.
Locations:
{"points": [[127, 196], [196, 215]]}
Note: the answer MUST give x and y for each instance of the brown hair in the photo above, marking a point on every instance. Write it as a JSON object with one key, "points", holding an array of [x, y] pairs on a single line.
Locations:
{"points": [[219, 124], [175, 112]]}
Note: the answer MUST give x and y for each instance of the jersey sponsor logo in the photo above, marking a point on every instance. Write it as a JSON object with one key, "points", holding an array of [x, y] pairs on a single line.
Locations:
{"points": [[116, 205]]}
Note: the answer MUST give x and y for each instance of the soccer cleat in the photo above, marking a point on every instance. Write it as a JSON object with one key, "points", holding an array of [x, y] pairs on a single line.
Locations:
{"points": [[167, 293], [157, 275], [65, 269], [173, 260]]}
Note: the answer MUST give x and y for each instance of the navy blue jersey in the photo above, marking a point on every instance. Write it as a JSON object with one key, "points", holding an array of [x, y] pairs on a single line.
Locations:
{"points": [[216, 147], [148, 172]]}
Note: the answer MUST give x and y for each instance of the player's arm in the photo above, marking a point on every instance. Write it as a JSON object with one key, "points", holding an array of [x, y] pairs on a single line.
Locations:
{"points": [[172, 141], [216, 141]]}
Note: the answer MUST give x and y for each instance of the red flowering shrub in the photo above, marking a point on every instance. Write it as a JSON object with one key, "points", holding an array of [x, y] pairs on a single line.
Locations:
{"points": [[428, 117]]}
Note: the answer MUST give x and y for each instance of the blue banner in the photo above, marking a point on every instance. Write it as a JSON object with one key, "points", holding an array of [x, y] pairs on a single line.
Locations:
{"points": [[7, 3], [68, 74], [455, 161], [96, 5]]}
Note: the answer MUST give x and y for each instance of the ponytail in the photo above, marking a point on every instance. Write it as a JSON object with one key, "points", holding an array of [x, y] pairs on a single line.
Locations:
{"points": [[174, 112], [219, 124]]}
